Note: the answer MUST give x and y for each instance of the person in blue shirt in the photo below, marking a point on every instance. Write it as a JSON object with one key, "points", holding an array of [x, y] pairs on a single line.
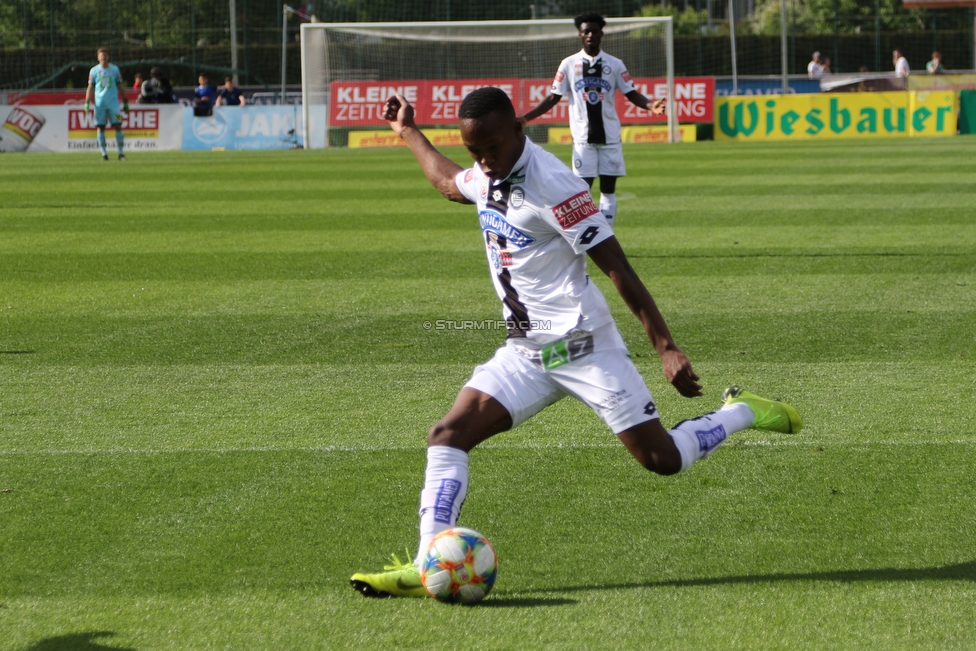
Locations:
{"points": [[105, 83], [204, 97], [229, 95]]}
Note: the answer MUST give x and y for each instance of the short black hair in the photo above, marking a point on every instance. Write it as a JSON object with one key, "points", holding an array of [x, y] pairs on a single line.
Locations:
{"points": [[483, 101], [591, 17]]}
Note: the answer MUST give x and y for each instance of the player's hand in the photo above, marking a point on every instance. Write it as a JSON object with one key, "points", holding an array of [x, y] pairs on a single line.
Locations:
{"points": [[399, 114], [658, 106], [677, 370]]}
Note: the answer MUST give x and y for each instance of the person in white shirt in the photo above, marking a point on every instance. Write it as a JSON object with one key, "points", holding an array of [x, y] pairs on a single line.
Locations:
{"points": [[590, 79], [539, 224], [901, 63], [815, 68]]}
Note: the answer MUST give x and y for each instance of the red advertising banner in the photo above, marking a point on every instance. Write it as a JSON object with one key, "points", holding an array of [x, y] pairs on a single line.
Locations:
{"points": [[360, 103], [137, 123], [50, 98], [436, 101]]}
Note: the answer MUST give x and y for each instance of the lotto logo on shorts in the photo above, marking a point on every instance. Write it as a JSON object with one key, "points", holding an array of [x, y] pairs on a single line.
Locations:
{"points": [[575, 209]]}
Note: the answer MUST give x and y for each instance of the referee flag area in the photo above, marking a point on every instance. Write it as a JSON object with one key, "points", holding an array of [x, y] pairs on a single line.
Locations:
{"points": [[218, 370]]}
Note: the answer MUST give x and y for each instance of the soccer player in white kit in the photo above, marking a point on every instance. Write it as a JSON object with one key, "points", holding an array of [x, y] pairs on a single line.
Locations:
{"points": [[539, 223], [590, 79]]}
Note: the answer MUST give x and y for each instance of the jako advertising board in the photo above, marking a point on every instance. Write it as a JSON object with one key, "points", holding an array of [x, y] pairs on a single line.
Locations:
{"points": [[70, 128], [244, 127], [840, 115]]}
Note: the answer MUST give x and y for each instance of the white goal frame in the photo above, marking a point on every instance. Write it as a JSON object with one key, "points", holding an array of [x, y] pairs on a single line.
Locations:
{"points": [[367, 28]]}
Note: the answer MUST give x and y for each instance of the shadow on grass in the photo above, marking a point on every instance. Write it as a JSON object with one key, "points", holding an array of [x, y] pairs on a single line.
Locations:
{"points": [[77, 642], [523, 602], [959, 572]]}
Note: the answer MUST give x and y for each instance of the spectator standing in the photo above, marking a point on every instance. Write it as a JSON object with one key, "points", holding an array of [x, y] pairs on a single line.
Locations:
{"points": [[934, 67], [901, 63], [137, 82], [229, 95], [815, 68], [825, 68], [204, 97], [156, 89]]}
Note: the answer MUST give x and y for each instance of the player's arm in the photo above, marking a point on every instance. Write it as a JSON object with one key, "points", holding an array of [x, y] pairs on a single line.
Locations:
{"points": [[551, 100], [638, 99], [439, 169], [123, 98], [610, 258]]}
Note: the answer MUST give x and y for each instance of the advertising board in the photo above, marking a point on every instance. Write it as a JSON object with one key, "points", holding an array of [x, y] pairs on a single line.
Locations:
{"points": [[843, 115]]}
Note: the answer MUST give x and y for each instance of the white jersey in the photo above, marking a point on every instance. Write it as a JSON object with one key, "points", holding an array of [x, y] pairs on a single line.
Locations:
{"points": [[814, 70], [537, 226], [590, 84], [901, 67]]}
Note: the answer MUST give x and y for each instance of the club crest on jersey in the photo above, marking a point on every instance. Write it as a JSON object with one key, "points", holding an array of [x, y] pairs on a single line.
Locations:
{"points": [[493, 222], [575, 209], [606, 70], [516, 198]]}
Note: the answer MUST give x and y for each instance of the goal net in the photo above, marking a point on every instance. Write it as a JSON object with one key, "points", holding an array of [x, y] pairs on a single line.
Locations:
{"points": [[350, 69]]}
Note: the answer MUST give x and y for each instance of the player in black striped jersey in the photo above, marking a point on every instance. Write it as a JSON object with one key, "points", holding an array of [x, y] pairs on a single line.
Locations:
{"points": [[590, 79], [539, 225]]}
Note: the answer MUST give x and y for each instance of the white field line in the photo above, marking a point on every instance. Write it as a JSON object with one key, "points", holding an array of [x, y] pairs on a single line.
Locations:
{"points": [[502, 446]]}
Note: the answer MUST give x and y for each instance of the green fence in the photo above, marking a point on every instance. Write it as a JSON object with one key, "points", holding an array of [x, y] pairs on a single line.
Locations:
{"points": [[52, 43]]}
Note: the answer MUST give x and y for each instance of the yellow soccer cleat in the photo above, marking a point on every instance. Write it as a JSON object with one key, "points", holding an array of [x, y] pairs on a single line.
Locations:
{"points": [[398, 580], [771, 415]]}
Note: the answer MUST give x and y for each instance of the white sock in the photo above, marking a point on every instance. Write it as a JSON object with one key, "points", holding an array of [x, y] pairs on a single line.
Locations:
{"points": [[608, 206], [699, 437], [445, 487]]}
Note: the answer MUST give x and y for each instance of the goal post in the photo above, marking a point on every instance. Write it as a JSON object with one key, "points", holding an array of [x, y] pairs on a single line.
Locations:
{"points": [[350, 69]]}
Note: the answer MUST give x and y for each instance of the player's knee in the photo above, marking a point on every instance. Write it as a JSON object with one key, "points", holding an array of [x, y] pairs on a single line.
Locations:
{"points": [[443, 434], [663, 462]]}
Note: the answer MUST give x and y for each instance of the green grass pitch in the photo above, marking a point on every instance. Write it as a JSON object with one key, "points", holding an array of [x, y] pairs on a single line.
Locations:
{"points": [[215, 386]]}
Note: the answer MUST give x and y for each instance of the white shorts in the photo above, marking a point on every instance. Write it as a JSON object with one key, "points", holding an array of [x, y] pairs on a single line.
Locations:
{"points": [[593, 367], [591, 161]]}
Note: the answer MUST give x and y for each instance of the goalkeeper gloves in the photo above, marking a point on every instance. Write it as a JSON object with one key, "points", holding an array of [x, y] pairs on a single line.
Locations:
{"points": [[125, 106], [87, 106]]}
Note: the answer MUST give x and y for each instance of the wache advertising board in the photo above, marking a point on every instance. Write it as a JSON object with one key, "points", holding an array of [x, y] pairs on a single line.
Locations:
{"points": [[71, 128]]}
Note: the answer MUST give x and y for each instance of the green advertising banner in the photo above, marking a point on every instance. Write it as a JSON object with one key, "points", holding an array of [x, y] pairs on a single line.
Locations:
{"points": [[840, 115]]}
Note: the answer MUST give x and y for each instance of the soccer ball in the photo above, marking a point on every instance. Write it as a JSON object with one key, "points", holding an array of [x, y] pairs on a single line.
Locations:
{"points": [[460, 567]]}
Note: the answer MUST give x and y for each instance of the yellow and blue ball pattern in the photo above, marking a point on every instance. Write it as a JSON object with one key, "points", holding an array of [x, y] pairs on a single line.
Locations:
{"points": [[460, 567]]}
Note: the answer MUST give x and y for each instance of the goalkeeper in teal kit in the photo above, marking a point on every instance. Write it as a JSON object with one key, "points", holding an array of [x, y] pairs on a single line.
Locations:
{"points": [[105, 82]]}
